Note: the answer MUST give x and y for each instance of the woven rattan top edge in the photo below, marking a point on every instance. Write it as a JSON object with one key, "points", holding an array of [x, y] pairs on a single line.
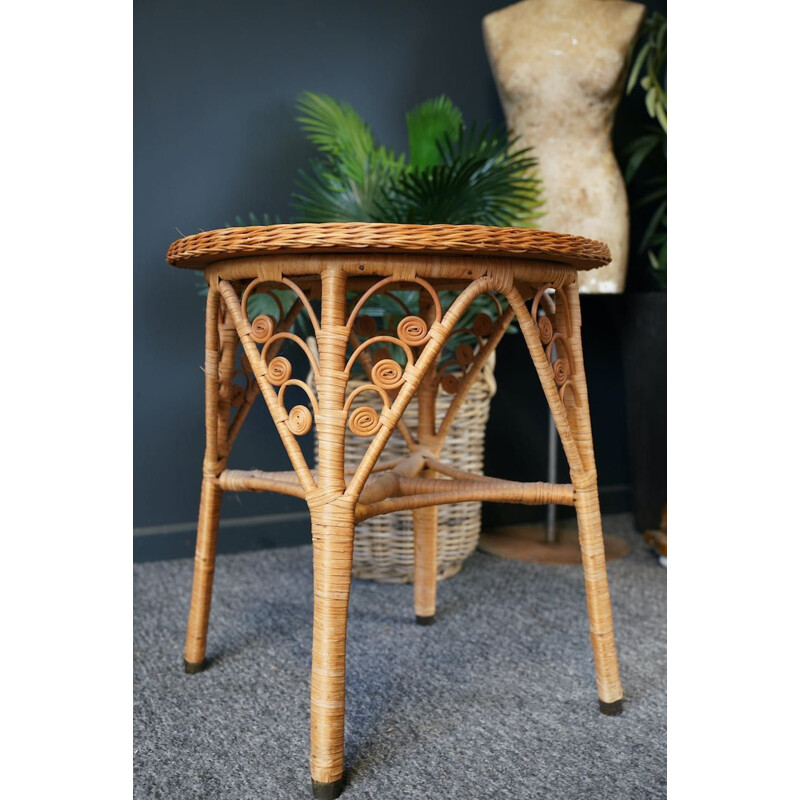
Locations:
{"points": [[202, 249]]}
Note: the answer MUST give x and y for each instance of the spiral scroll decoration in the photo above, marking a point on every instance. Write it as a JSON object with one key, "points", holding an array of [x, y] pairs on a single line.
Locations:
{"points": [[279, 370], [272, 333], [545, 329], [552, 317], [387, 374], [413, 331], [300, 420], [465, 355], [262, 328], [237, 395], [451, 383], [560, 371], [482, 325], [364, 421]]}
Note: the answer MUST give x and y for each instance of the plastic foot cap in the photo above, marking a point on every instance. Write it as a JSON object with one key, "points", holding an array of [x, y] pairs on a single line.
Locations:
{"points": [[191, 668], [611, 709], [327, 791], [426, 620]]}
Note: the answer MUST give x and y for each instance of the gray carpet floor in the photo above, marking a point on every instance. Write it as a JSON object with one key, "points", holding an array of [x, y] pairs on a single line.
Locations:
{"points": [[496, 700]]}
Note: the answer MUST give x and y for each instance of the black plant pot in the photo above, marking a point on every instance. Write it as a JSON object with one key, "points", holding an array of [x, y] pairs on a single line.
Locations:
{"points": [[644, 349]]}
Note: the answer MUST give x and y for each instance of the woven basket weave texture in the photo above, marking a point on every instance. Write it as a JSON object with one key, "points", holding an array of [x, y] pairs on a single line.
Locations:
{"points": [[206, 247]]}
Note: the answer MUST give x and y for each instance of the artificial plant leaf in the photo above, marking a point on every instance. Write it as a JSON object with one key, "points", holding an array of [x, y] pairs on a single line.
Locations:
{"points": [[639, 150], [658, 194], [478, 178], [388, 160], [659, 217], [337, 130], [661, 116], [427, 124], [637, 67], [481, 180], [331, 194], [649, 101], [259, 303]]}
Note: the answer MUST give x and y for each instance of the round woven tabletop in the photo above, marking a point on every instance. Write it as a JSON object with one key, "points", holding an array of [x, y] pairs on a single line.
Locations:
{"points": [[202, 249]]}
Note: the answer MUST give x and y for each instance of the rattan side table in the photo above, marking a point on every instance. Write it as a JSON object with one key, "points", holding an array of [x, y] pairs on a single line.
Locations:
{"points": [[532, 277]]}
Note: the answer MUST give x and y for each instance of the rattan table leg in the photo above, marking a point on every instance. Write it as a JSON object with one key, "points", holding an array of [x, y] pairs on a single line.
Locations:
{"points": [[204, 560], [426, 520], [590, 526], [332, 528], [426, 559], [570, 412], [218, 374], [598, 600]]}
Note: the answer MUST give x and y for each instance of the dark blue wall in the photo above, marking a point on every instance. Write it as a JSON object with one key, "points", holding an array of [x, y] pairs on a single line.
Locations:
{"points": [[214, 136]]}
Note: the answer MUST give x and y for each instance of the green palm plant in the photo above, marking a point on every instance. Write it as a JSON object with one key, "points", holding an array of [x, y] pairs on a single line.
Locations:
{"points": [[453, 174], [651, 147]]}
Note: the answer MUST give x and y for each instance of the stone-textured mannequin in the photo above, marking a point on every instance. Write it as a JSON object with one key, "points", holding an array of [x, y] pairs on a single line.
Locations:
{"points": [[560, 67]]}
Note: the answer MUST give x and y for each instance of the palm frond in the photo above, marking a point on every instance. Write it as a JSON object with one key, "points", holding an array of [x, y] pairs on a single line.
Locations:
{"points": [[426, 125], [339, 131], [639, 150], [328, 193], [480, 180], [454, 175]]}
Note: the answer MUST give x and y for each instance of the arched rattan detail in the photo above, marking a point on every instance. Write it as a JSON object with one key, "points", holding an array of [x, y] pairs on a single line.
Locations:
{"points": [[366, 387], [300, 385], [377, 340], [382, 284]]}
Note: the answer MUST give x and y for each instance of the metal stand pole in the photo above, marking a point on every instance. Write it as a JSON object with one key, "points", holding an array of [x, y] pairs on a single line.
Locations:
{"points": [[552, 470], [552, 476]]}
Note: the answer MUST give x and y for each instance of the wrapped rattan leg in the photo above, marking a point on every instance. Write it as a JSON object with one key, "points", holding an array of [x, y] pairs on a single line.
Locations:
{"points": [[598, 601], [332, 530], [204, 559], [426, 520], [587, 506], [426, 524], [564, 385]]}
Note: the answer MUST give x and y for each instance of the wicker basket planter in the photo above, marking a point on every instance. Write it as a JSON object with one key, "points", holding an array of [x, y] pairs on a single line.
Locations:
{"points": [[384, 546]]}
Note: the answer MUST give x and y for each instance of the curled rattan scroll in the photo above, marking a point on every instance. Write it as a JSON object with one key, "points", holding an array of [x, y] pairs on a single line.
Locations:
{"points": [[465, 355], [545, 329], [279, 371], [482, 325], [262, 328], [451, 383], [300, 420], [364, 421], [237, 395], [413, 331], [387, 374], [560, 371]]}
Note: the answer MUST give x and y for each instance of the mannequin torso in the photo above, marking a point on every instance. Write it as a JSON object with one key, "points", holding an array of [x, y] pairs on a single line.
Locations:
{"points": [[559, 66]]}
